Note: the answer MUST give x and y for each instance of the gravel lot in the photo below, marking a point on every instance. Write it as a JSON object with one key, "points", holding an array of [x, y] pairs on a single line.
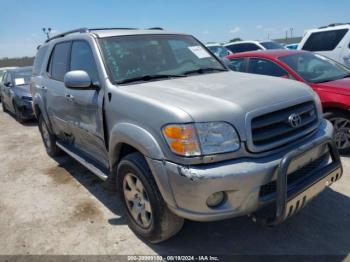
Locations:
{"points": [[52, 206]]}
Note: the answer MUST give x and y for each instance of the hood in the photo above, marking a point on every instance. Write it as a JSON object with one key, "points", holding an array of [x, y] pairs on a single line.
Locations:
{"points": [[225, 96], [341, 86]]}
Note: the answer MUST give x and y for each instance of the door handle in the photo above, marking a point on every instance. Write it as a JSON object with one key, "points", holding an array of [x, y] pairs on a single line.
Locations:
{"points": [[69, 97], [44, 88]]}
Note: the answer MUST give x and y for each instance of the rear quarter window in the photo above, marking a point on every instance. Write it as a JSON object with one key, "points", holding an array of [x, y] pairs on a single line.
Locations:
{"points": [[324, 41], [39, 60]]}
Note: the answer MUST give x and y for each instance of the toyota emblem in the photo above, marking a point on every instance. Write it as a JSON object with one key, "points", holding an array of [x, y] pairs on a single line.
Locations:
{"points": [[294, 120]]}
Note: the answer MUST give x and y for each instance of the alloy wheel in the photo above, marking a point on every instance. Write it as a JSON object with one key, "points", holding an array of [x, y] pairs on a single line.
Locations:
{"points": [[342, 132], [137, 200]]}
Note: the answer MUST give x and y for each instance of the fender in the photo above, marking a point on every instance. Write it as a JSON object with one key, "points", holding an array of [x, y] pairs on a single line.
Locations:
{"points": [[146, 144], [38, 103], [136, 137]]}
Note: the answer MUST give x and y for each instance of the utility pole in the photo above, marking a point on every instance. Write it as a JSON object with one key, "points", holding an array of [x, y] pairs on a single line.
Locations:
{"points": [[286, 34], [291, 32], [47, 31]]}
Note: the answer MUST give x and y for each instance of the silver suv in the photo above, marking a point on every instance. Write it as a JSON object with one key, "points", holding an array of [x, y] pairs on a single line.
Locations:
{"points": [[158, 116]]}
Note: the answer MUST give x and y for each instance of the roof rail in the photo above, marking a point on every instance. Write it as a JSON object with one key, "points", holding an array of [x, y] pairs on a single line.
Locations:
{"points": [[155, 28], [112, 28], [79, 30], [334, 24]]}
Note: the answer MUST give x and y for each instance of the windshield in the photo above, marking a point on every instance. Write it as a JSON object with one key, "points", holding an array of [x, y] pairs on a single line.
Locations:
{"points": [[219, 51], [272, 45], [22, 77], [315, 68], [146, 57]]}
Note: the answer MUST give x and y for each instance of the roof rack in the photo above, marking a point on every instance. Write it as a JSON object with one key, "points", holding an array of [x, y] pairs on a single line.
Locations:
{"points": [[79, 30], [333, 25], [87, 30]]}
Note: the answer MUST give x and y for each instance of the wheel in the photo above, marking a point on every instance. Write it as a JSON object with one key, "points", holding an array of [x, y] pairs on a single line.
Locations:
{"points": [[147, 214], [18, 114], [49, 140], [341, 123]]}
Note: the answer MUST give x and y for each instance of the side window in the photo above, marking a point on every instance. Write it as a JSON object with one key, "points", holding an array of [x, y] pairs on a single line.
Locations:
{"points": [[237, 64], [324, 41], [39, 60], [265, 67], [59, 59], [250, 47], [83, 59]]}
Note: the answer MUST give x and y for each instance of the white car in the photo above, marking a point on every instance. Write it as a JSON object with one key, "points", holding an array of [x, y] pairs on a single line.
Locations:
{"points": [[245, 46], [332, 41], [218, 50]]}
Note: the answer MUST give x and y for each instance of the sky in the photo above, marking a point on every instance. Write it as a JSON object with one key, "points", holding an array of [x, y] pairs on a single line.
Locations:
{"points": [[22, 21]]}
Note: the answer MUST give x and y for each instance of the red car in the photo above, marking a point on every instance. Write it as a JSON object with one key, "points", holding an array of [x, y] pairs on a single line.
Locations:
{"points": [[328, 78]]}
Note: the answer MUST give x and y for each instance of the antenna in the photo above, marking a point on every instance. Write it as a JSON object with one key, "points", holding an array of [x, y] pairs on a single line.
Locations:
{"points": [[47, 31]]}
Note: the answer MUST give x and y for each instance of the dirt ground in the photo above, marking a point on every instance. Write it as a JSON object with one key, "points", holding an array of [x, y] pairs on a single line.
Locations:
{"points": [[58, 207]]}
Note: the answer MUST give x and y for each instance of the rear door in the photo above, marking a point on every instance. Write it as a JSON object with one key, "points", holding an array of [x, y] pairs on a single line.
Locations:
{"points": [[328, 43], [7, 91], [56, 103]]}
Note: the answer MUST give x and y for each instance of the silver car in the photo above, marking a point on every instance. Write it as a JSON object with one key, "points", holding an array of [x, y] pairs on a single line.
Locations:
{"points": [[157, 116]]}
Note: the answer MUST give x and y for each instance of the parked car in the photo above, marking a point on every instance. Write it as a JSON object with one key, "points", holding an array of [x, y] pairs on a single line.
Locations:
{"points": [[156, 115], [2, 72], [292, 46], [332, 41], [219, 50], [15, 94], [328, 78], [245, 46]]}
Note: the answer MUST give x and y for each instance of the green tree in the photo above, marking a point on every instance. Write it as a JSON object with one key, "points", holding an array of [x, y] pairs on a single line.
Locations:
{"points": [[236, 39]]}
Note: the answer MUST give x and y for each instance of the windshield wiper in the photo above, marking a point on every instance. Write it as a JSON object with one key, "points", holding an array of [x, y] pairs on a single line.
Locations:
{"points": [[330, 79], [147, 78], [204, 70]]}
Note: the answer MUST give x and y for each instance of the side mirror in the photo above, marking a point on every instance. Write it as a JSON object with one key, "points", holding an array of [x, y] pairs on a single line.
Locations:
{"points": [[7, 84], [77, 80]]}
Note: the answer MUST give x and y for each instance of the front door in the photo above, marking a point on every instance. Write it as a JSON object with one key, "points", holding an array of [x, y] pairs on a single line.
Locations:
{"points": [[85, 106]]}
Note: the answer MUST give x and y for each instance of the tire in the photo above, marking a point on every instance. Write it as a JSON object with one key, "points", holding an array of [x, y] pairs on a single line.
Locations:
{"points": [[154, 221], [341, 123], [49, 140], [18, 114]]}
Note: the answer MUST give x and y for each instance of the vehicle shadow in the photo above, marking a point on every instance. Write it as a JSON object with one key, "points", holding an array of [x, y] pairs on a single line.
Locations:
{"points": [[321, 228]]}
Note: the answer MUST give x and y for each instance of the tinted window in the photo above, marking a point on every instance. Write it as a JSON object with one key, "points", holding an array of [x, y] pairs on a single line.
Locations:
{"points": [[324, 41], [244, 47], [39, 60], [58, 66], [265, 67], [237, 64], [83, 59], [272, 45]]}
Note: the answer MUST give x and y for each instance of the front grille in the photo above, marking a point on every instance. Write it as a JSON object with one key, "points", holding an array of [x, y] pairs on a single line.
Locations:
{"points": [[274, 129], [293, 178]]}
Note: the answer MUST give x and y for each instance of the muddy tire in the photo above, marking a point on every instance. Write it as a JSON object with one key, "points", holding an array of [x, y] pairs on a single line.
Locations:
{"points": [[49, 140], [147, 214]]}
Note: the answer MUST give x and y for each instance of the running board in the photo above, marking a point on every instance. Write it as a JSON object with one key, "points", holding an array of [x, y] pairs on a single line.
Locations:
{"points": [[82, 161]]}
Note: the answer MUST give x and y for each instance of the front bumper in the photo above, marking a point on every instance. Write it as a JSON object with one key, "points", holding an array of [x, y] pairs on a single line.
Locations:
{"points": [[186, 188], [26, 108]]}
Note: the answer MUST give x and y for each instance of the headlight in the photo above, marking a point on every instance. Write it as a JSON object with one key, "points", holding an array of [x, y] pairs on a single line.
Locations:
{"points": [[201, 138]]}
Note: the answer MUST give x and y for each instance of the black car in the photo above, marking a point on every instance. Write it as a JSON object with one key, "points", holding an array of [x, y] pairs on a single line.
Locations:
{"points": [[15, 94]]}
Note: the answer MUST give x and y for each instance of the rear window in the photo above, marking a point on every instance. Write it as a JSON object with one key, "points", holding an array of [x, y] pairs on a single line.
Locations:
{"points": [[324, 41], [244, 47], [39, 60]]}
